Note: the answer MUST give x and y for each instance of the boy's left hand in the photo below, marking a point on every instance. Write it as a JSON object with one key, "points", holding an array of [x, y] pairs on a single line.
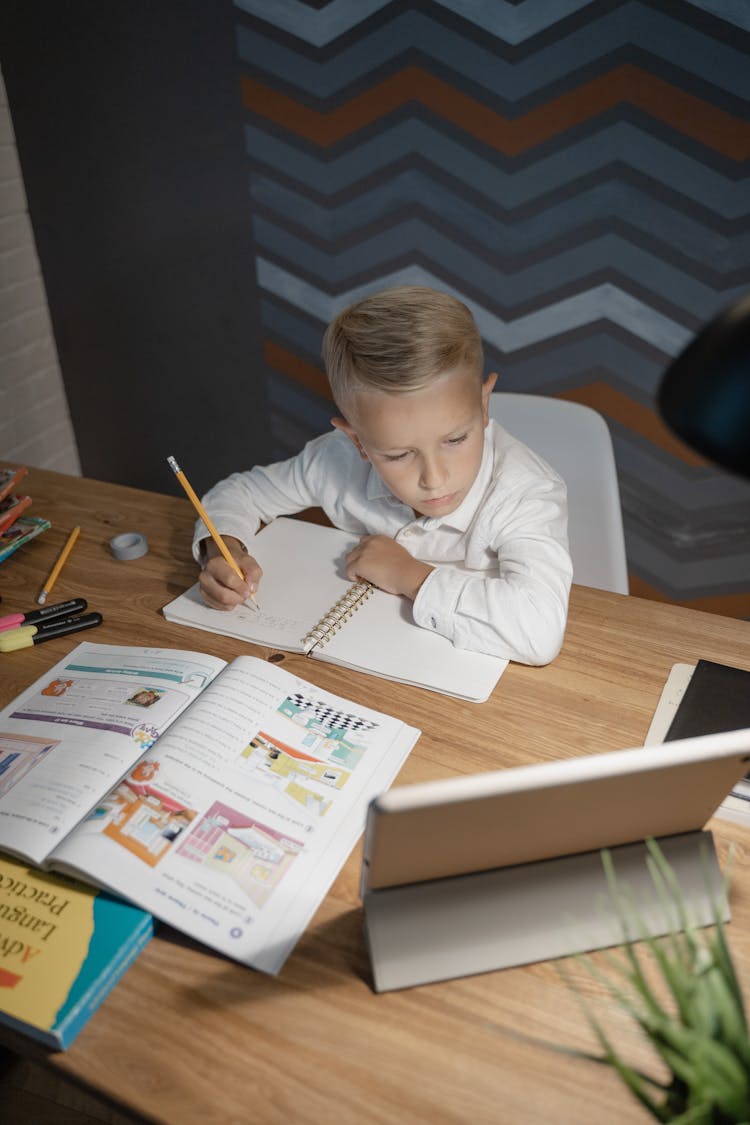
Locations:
{"points": [[386, 564]]}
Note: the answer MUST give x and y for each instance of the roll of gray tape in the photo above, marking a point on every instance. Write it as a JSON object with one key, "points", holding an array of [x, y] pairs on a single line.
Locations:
{"points": [[129, 545]]}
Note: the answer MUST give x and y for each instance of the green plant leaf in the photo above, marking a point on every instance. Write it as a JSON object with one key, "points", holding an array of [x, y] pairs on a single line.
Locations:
{"points": [[700, 1030], [696, 1115]]}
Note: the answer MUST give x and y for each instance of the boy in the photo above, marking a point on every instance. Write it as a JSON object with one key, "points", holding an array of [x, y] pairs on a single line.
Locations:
{"points": [[415, 467]]}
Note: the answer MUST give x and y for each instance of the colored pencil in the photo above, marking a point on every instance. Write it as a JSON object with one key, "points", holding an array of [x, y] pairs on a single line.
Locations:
{"points": [[58, 565]]}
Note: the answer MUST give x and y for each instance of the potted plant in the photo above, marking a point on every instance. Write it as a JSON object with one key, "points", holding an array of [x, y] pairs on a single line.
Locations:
{"points": [[696, 1024]]}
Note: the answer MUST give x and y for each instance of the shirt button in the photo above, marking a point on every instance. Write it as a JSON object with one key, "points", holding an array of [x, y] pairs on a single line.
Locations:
{"points": [[405, 534], [433, 622]]}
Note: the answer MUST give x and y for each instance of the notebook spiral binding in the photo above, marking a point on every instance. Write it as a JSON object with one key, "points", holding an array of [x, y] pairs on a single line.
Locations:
{"points": [[340, 613]]}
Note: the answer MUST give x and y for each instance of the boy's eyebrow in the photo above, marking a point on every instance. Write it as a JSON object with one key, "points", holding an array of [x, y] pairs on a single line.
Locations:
{"points": [[455, 431], [460, 427], [391, 448]]}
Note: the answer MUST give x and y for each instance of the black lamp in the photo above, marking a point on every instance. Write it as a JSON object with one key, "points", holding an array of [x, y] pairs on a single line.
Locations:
{"points": [[705, 393]]}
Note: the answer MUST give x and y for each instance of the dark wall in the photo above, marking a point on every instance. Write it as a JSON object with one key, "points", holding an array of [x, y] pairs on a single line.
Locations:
{"points": [[204, 176], [128, 123], [577, 173]]}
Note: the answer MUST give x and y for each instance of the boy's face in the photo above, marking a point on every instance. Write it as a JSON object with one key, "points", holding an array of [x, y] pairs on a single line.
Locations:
{"points": [[426, 444]]}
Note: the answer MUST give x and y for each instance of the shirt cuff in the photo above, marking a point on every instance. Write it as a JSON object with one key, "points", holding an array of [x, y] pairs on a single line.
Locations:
{"points": [[202, 533], [437, 601]]}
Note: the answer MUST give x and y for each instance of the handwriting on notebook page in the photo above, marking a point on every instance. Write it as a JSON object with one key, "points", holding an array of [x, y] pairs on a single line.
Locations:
{"points": [[270, 621]]}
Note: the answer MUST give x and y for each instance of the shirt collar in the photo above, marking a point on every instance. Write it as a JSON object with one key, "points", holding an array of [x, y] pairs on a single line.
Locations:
{"points": [[376, 488]]}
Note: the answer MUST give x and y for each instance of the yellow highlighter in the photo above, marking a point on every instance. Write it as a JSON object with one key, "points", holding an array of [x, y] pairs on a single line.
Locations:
{"points": [[26, 635], [205, 517]]}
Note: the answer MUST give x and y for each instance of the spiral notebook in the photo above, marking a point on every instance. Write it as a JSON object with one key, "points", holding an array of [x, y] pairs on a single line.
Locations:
{"points": [[308, 605]]}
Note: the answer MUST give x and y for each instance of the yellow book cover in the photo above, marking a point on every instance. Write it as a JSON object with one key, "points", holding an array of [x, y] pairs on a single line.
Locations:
{"points": [[63, 947]]}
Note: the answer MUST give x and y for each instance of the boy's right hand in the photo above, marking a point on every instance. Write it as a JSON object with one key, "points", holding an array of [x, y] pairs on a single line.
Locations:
{"points": [[220, 587]]}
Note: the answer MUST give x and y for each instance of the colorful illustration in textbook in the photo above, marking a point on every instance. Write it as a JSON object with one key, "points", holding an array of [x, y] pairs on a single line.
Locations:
{"points": [[223, 798]]}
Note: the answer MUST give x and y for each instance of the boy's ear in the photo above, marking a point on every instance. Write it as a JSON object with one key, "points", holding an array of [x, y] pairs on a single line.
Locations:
{"points": [[487, 388], [348, 429]]}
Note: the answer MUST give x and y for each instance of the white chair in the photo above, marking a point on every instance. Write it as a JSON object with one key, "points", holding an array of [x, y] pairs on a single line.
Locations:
{"points": [[575, 441]]}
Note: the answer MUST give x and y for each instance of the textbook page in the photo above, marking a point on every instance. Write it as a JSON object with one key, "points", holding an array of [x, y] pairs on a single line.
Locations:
{"points": [[67, 739], [235, 824]]}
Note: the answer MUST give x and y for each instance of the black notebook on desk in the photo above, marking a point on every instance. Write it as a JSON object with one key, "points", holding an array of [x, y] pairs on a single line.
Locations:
{"points": [[717, 698]]}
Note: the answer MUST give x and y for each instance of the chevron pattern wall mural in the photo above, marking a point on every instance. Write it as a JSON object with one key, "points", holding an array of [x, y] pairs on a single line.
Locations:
{"points": [[576, 171]]}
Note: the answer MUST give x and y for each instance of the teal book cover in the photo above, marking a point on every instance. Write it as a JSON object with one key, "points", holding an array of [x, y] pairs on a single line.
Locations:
{"points": [[22, 531], [63, 947]]}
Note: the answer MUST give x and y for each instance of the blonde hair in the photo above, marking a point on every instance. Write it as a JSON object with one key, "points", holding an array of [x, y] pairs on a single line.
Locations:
{"points": [[399, 340]]}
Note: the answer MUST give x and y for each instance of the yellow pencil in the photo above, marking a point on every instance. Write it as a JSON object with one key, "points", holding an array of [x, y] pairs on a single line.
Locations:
{"points": [[206, 519], [58, 565]]}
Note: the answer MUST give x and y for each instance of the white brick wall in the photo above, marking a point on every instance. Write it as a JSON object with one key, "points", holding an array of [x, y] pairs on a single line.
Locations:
{"points": [[35, 426]]}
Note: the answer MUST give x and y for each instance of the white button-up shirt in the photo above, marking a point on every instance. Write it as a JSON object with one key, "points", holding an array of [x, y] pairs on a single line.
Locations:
{"points": [[505, 590]]}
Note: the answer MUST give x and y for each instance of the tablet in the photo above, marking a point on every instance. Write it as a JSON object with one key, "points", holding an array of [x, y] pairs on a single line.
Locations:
{"points": [[484, 821], [484, 872]]}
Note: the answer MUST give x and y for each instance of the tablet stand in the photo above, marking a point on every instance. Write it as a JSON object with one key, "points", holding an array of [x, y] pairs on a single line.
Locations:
{"points": [[467, 924]]}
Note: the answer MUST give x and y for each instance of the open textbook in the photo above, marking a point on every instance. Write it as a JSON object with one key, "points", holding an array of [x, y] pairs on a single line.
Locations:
{"points": [[307, 604], [223, 798]]}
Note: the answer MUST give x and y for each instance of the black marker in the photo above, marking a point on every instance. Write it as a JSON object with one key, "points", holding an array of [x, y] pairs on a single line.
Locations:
{"points": [[36, 616], [27, 635]]}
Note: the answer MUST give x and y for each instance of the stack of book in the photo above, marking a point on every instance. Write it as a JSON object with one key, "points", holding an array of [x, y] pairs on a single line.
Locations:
{"points": [[16, 526], [65, 946]]}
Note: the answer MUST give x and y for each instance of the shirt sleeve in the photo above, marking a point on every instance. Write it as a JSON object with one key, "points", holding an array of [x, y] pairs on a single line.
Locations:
{"points": [[518, 610], [243, 501]]}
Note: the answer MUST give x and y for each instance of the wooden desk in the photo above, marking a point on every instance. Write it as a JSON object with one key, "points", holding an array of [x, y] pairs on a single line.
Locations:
{"points": [[190, 1037]]}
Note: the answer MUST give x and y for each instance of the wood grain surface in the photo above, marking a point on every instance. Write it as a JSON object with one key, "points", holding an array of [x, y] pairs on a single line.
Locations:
{"points": [[189, 1036]]}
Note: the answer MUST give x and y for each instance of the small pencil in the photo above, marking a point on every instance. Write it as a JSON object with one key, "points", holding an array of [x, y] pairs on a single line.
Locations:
{"points": [[206, 519], [58, 565]]}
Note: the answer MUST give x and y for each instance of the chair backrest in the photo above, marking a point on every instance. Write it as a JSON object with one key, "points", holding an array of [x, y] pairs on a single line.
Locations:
{"points": [[575, 441]]}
